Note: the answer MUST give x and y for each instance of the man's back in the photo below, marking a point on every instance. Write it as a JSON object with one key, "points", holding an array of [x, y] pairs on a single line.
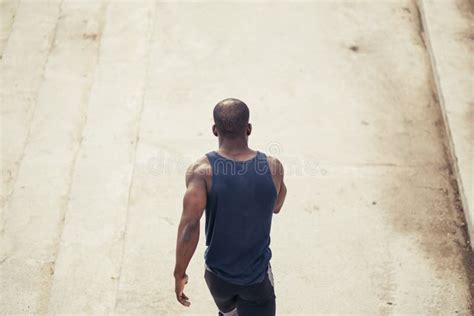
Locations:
{"points": [[239, 212]]}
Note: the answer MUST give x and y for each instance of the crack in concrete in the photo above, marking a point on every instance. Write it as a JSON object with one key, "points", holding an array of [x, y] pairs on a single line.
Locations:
{"points": [[64, 203], [137, 138], [30, 114], [12, 23], [419, 24]]}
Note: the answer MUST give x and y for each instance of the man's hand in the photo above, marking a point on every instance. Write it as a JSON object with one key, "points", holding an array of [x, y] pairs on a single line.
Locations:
{"points": [[179, 284]]}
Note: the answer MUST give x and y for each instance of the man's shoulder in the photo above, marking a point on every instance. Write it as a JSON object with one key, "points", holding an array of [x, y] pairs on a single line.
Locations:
{"points": [[273, 160], [200, 168], [276, 167]]}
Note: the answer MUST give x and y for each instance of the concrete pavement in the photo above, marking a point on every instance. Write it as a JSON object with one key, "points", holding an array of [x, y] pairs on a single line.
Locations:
{"points": [[119, 101]]}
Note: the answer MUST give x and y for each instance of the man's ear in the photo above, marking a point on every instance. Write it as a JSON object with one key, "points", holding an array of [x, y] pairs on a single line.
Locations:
{"points": [[214, 130], [249, 129]]}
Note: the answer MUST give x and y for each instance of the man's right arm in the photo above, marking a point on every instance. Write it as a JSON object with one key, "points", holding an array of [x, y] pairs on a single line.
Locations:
{"points": [[280, 199]]}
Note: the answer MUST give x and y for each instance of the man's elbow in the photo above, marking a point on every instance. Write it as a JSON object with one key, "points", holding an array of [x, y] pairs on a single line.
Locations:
{"points": [[277, 209]]}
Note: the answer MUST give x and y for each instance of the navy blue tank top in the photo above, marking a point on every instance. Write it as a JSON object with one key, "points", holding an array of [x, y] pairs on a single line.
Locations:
{"points": [[238, 218]]}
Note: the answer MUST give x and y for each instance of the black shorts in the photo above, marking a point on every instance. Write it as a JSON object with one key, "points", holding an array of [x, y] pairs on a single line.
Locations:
{"points": [[249, 300]]}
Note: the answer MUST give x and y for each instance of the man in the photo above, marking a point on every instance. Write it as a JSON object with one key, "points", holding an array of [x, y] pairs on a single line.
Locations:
{"points": [[240, 189]]}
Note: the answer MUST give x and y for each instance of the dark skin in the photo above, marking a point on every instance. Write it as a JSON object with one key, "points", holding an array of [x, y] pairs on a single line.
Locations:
{"points": [[198, 184]]}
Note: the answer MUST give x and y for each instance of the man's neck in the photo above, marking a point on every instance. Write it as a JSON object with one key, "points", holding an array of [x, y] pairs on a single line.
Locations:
{"points": [[236, 145]]}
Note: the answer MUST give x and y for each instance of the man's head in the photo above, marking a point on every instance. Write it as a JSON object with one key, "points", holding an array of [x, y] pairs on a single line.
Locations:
{"points": [[231, 119]]}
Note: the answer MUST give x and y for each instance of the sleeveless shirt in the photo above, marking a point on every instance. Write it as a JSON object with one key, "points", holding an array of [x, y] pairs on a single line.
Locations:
{"points": [[239, 213]]}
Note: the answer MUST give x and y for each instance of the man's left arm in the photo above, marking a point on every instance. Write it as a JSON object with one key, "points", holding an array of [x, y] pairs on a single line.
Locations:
{"points": [[194, 202]]}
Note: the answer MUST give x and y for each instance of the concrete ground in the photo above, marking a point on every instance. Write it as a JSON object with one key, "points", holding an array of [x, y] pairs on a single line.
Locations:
{"points": [[105, 103]]}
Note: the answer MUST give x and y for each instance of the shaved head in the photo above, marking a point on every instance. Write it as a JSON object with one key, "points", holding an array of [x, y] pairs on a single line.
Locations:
{"points": [[231, 117]]}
